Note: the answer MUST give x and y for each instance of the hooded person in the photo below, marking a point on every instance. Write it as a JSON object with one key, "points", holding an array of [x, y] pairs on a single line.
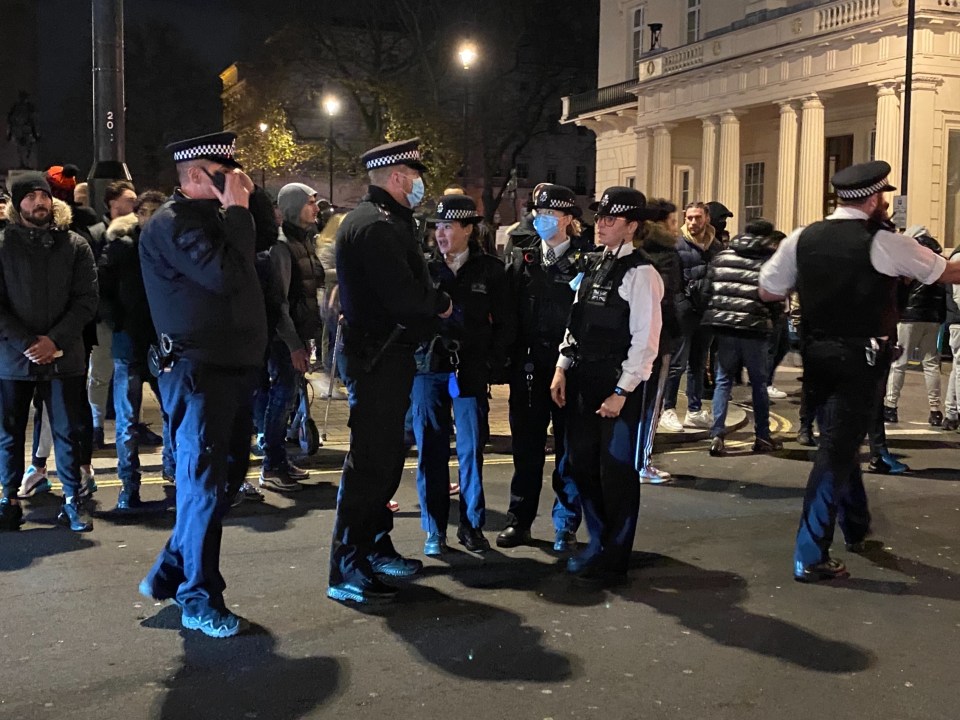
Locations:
{"points": [[299, 277]]}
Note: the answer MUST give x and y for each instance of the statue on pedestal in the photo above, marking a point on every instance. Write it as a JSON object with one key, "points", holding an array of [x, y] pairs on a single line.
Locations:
{"points": [[22, 128]]}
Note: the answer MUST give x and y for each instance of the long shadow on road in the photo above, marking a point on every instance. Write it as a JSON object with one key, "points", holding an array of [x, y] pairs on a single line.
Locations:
{"points": [[473, 640], [22, 549], [242, 677], [708, 602], [749, 490]]}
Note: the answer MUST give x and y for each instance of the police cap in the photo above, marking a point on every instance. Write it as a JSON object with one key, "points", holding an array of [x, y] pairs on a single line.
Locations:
{"points": [[461, 208], [402, 152], [218, 147], [619, 201], [858, 182], [548, 196]]}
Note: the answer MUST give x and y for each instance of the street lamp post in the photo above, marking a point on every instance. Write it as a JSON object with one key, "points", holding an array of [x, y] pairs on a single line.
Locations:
{"points": [[331, 106], [468, 55], [263, 171]]}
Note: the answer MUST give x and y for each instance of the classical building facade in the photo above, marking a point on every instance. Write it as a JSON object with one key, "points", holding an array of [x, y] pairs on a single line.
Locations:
{"points": [[757, 103]]}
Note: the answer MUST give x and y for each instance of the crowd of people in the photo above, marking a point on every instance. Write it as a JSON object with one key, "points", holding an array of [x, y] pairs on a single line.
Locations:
{"points": [[221, 300]]}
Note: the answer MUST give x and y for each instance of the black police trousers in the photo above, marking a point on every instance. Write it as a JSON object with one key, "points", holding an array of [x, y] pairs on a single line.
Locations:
{"points": [[603, 461], [378, 399], [841, 386]]}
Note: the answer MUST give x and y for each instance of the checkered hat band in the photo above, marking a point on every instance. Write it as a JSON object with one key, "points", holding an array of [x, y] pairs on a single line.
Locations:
{"points": [[451, 214], [853, 194], [393, 159], [217, 150], [620, 208], [557, 203]]}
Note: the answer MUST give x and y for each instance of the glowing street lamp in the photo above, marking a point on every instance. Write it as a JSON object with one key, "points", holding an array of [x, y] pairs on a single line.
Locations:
{"points": [[331, 106], [468, 54]]}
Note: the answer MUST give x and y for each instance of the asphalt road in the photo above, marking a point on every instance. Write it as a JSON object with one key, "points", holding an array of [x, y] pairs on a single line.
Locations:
{"points": [[711, 625]]}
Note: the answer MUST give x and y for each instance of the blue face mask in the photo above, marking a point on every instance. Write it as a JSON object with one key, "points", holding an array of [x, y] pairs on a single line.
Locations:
{"points": [[415, 196], [546, 226]]}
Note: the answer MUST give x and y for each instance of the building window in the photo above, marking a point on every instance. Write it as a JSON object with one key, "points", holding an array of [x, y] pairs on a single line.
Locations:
{"points": [[873, 145], [552, 174], [753, 190], [631, 181], [693, 21], [523, 172], [951, 225], [683, 185], [637, 36], [580, 180]]}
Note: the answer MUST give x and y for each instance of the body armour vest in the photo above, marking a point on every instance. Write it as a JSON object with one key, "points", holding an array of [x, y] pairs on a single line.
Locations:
{"points": [[841, 293], [302, 296], [545, 295], [600, 319]]}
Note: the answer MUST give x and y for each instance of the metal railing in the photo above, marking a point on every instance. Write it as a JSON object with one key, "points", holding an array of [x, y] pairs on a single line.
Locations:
{"points": [[600, 99]]}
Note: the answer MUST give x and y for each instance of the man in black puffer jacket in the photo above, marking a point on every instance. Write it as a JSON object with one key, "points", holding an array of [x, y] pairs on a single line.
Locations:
{"points": [[924, 308], [742, 323]]}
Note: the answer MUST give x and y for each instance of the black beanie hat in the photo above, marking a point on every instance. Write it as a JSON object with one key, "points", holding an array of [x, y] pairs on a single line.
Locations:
{"points": [[26, 184]]}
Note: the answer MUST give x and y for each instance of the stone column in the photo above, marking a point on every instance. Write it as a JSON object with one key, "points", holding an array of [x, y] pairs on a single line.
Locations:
{"points": [[787, 167], [810, 175], [662, 167], [708, 158], [643, 158], [728, 168], [920, 202], [887, 145]]}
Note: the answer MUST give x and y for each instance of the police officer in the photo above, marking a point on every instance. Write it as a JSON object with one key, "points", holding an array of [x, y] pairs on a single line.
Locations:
{"points": [[607, 353], [539, 277], [845, 269], [389, 304], [454, 370], [197, 255]]}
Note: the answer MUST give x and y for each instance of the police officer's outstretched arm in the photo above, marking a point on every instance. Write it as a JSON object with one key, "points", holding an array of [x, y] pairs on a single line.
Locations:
{"points": [[387, 267]]}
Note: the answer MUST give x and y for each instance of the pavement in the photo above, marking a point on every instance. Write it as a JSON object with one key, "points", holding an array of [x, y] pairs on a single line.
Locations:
{"points": [[711, 624]]}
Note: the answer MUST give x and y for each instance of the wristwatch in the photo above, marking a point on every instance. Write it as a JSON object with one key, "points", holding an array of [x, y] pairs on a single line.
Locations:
{"points": [[620, 391]]}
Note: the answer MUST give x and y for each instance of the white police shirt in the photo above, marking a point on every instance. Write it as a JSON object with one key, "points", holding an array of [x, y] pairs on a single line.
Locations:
{"points": [[890, 254], [642, 288], [558, 250]]}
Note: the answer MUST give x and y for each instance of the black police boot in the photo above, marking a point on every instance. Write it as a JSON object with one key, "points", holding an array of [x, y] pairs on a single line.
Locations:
{"points": [[11, 516], [472, 539], [936, 418], [514, 536]]}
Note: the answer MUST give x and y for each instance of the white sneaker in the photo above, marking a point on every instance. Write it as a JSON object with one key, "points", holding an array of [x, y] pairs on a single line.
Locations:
{"points": [[653, 476], [35, 481], [669, 422], [322, 384], [698, 419], [775, 393], [88, 486]]}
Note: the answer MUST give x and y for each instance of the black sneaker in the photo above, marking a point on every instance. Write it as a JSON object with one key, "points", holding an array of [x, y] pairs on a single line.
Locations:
{"points": [[295, 472], [716, 448], [74, 515], [936, 418], [472, 539], [279, 480], [827, 570], [99, 443], [950, 423], [767, 445], [890, 414], [146, 436], [11, 516], [805, 437]]}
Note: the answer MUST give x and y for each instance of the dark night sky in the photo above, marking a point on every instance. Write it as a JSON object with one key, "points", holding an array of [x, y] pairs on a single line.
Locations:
{"points": [[218, 31]]}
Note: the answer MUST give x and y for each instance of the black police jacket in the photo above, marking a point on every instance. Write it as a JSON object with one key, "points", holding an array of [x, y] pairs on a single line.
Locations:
{"points": [[382, 275], [732, 288], [483, 321], [198, 269]]}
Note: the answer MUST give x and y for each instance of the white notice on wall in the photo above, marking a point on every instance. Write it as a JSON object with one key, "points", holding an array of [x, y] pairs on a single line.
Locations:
{"points": [[899, 211]]}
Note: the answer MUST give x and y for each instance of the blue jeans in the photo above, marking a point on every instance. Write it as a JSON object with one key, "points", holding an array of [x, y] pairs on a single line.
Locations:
{"points": [[432, 406], [128, 379], [690, 356], [734, 351], [283, 388]]}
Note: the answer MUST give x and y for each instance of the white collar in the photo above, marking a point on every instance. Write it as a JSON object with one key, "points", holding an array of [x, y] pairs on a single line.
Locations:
{"points": [[558, 250], [844, 212], [624, 250], [455, 261]]}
